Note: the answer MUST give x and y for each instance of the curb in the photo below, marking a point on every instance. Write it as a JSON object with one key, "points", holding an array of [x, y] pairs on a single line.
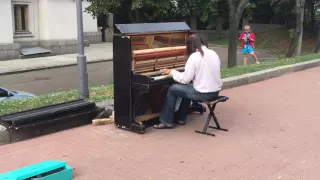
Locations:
{"points": [[51, 67], [254, 77]]}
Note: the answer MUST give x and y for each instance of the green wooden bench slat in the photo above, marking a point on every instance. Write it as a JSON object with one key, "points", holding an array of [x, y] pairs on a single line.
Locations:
{"points": [[32, 170]]}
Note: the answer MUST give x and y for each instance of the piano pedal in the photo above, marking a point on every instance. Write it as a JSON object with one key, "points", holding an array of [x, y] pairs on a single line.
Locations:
{"points": [[47, 170]]}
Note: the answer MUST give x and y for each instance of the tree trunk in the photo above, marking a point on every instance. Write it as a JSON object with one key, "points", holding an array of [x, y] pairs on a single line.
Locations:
{"points": [[299, 43], [295, 43], [232, 46], [127, 7], [137, 16], [287, 18], [245, 20], [318, 41], [193, 21], [235, 14], [123, 15], [312, 11], [219, 26]]}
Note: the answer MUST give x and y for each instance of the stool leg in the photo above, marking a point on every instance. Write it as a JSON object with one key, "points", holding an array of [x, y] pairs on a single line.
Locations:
{"points": [[212, 108], [204, 130], [217, 124]]}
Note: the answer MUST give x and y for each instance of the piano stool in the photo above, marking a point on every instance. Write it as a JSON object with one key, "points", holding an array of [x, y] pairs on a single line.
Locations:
{"points": [[46, 170], [211, 106]]}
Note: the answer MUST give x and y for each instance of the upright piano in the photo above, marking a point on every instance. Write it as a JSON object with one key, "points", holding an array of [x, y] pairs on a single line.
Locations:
{"points": [[139, 52]]}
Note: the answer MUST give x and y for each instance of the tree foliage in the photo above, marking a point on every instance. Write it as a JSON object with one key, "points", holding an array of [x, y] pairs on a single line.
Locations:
{"points": [[103, 7], [150, 9], [210, 13]]}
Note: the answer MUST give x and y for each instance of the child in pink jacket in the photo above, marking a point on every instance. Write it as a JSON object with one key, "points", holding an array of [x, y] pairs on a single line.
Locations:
{"points": [[247, 39]]}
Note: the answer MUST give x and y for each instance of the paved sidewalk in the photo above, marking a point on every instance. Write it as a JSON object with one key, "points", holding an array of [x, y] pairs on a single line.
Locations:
{"points": [[97, 53], [94, 53], [273, 134]]}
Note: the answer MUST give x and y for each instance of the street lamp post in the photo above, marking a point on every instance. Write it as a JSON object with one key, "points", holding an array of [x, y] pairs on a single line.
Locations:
{"points": [[81, 58]]}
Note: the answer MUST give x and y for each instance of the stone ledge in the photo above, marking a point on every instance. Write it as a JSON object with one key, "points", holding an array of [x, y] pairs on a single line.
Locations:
{"points": [[93, 37], [11, 46], [57, 47], [28, 44], [9, 51], [92, 33], [249, 78]]}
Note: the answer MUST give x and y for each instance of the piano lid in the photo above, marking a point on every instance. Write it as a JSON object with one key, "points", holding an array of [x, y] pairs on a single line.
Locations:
{"points": [[151, 28]]}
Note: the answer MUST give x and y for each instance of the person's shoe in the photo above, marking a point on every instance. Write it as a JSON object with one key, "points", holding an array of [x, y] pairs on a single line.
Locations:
{"points": [[163, 126], [258, 62]]}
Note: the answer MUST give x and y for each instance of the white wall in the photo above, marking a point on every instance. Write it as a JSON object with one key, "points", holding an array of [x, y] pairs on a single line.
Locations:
{"points": [[89, 23], [33, 21], [6, 26], [49, 20], [43, 16], [58, 20]]}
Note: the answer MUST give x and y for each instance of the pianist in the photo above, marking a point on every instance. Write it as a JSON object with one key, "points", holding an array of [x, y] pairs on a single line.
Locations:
{"points": [[203, 70]]}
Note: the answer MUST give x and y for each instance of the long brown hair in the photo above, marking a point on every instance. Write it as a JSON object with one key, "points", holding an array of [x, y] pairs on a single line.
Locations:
{"points": [[194, 43]]}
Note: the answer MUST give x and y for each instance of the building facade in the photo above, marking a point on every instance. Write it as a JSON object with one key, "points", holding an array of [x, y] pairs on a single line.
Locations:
{"points": [[50, 24]]}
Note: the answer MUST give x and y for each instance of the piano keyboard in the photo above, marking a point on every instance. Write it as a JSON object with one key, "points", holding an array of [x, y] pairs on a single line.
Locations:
{"points": [[161, 77], [157, 78]]}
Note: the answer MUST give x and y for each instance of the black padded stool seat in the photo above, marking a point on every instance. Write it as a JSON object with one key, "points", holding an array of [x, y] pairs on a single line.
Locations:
{"points": [[211, 106]]}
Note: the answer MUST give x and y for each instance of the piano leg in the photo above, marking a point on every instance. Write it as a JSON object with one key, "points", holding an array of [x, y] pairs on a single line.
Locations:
{"points": [[140, 129]]}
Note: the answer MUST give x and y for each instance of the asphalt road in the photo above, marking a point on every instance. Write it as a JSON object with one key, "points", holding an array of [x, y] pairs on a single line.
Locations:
{"points": [[57, 79], [65, 78]]}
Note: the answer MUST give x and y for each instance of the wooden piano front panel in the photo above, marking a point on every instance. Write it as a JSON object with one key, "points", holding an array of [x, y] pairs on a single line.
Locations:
{"points": [[149, 105]]}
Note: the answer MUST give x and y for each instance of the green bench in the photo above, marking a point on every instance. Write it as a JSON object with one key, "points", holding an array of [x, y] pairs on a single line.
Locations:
{"points": [[47, 170]]}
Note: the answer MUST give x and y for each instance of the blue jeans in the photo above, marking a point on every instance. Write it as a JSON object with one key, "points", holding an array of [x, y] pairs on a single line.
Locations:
{"points": [[188, 94]]}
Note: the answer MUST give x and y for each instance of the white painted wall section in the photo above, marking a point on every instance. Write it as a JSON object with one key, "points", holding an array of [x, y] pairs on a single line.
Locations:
{"points": [[89, 23], [58, 20], [48, 20], [33, 21], [6, 27]]}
